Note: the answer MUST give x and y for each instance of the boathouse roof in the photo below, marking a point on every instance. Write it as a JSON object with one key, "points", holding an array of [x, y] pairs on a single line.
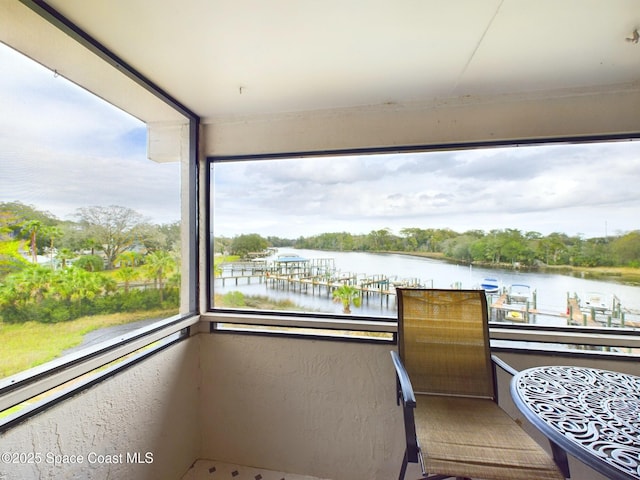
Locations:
{"points": [[291, 258]]}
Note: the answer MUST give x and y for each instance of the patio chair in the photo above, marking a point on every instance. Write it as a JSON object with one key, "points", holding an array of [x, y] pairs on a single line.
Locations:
{"points": [[446, 382]]}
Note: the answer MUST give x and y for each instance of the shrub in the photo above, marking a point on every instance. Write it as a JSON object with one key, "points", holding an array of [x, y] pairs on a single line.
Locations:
{"points": [[234, 299], [90, 263]]}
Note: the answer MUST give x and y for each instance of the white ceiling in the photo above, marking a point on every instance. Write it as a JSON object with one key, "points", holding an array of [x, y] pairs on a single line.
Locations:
{"points": [[225, 58]]}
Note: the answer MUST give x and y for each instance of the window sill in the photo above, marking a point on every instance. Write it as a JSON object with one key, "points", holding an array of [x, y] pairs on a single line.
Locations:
{"points": [[65, 376]]}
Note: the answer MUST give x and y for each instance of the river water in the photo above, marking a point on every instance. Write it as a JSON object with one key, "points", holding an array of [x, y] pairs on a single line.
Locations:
{"points": [[552, 289]]}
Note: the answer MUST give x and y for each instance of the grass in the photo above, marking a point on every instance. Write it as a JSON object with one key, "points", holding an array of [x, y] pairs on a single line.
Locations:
{"points": [[627, 275], [236, 299], [29, 344]]}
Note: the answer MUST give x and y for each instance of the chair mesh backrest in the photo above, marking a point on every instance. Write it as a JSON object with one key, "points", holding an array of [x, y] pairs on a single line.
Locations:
{"points": [[443, 340]]}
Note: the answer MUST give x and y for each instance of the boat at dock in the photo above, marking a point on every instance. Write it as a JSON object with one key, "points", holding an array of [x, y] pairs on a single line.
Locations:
{"points": [[597, 301], [490, 285], [519, 293], [515, 316]]}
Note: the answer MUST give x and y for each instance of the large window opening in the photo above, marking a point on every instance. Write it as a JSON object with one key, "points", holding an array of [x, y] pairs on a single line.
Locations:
{"points": [[89, 227], [549, 231]]}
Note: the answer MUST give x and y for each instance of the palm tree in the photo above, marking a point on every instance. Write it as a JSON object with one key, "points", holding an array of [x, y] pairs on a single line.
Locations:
{"points": [[36, 281], [32, 226], [76, 285], [128, 259], [27, 286], [52, 233], [65, 254], [347, 294], [91, 243], [126, 274], [160, 264]]}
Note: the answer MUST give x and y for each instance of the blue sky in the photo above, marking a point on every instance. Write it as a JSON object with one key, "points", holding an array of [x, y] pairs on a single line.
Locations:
{"points": [[62, 148]]}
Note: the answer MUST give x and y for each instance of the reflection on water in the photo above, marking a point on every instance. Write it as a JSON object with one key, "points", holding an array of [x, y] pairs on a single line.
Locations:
{"points": [[551, 289]]}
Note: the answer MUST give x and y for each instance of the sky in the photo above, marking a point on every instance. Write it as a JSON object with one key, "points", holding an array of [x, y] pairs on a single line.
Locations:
{"points": [[62, 148], [592, 190]]}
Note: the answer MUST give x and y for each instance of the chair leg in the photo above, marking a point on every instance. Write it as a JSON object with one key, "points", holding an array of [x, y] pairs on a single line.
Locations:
{"points": [[403, 469], [560, 457]]}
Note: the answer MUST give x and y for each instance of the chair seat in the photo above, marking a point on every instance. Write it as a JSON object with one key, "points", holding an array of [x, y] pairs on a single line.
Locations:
{"points": [[469, 437]]}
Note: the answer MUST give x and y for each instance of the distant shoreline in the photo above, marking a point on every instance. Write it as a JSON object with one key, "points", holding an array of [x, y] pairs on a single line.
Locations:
{"points": [[625, 275]]}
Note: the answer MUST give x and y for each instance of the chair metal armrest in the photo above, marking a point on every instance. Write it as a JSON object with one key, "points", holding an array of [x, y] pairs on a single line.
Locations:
{"points": [[405, 389], [503, 365], [405, 393]]}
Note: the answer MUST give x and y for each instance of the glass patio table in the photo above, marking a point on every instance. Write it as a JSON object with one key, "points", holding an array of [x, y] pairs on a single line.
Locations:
{"points": [[591, 414]]}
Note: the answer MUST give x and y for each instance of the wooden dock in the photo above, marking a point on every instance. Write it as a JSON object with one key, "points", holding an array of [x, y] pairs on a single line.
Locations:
{"points": [[315, 277], [320, 277], [369, 287], [575, 315], [514, 312]]}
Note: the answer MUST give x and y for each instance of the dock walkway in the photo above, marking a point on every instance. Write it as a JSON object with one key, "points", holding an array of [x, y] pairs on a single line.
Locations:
{"points": [[515, 312], [320, 277], [575, 315]]}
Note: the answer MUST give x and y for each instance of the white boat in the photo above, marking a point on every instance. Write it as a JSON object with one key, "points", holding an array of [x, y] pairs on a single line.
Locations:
{"points": [[519, 293], [490, 285], [597, 301]]}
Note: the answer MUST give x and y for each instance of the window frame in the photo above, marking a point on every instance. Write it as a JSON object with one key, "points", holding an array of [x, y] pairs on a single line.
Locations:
{"points": [[516, 336], [75, 372]]}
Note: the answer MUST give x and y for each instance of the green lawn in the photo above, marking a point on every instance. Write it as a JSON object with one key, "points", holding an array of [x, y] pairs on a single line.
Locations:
{"points": [[26, 345]]}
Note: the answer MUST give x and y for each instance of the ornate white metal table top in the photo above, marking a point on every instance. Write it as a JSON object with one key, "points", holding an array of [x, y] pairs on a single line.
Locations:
{"points": [[591, 414]]}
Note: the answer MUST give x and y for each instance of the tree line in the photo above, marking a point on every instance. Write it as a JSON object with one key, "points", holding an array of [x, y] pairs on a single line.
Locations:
{"points": [[53, 270], [496, 247]]}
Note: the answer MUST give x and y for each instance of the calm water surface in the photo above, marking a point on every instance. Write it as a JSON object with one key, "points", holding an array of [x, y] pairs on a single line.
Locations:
{"points": [[551, 289]]}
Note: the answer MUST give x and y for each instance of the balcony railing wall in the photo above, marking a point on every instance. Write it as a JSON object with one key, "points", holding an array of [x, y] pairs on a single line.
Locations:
{"points": [[142, 423], [320, 407]]}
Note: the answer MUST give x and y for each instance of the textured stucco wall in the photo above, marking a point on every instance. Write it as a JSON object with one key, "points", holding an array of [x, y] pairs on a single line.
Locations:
{"points": [[314, 407], [149, 409]]}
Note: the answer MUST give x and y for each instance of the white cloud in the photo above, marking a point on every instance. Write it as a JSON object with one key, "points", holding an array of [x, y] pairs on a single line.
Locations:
{"points": [[575, 189], [62, 148]]}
